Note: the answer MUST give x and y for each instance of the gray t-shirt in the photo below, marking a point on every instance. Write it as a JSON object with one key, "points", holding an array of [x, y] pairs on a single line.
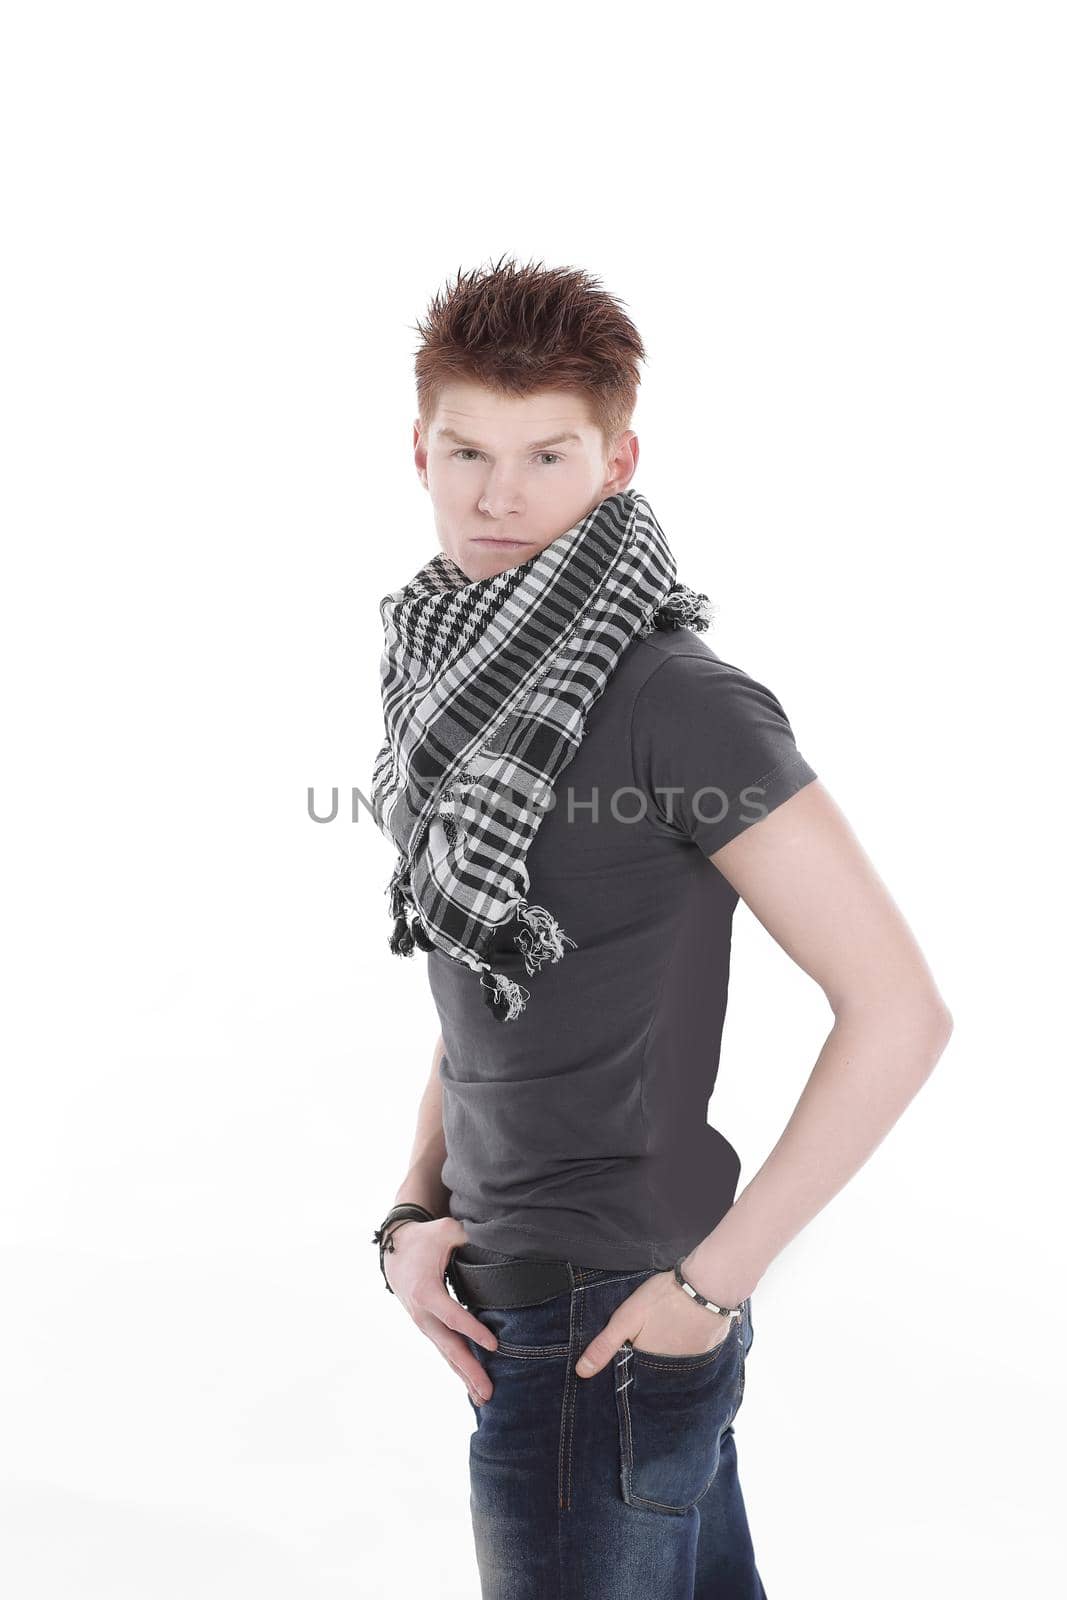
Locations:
{"points": [[579, 1129]]}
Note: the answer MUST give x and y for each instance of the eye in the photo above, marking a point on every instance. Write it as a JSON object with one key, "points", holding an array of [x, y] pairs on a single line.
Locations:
{"points": [[467, 450]]}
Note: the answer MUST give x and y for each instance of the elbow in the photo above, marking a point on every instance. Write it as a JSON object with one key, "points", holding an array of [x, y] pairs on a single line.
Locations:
{"points": [[939, 1032], [944, 1021], [934, 1015], [942, 1024], [920, 1014], [908, 1028]]}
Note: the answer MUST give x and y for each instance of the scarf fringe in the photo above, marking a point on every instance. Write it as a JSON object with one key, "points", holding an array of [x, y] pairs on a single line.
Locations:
{"points": [[409, 929], [501, 988], [542, 939], [682, 608], [402, 940], [406, 936]]}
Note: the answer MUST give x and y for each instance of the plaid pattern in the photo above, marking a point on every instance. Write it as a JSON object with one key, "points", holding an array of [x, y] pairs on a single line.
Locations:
{"points": [[486, 687]]}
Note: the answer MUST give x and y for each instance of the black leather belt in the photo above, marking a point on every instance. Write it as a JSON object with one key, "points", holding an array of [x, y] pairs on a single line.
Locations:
{"points": [[508, 1283]]}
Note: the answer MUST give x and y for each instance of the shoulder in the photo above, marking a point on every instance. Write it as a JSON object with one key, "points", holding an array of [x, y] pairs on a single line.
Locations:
{"points": [[708, 733], [679, 669]]}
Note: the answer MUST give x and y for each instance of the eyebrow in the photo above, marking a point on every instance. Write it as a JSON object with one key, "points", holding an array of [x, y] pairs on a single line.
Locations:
{"points": [[538, 444]]}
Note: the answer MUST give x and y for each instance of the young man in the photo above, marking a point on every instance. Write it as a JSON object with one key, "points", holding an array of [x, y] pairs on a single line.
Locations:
{"points": [[580, 790]]}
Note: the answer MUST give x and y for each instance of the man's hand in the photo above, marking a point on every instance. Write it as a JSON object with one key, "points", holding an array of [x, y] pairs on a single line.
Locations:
{"points": [[658, 1317], [415, 1270]]}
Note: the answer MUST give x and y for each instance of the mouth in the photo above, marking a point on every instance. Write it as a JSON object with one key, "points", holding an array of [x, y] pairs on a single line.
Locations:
{"points": [[504, 544]]}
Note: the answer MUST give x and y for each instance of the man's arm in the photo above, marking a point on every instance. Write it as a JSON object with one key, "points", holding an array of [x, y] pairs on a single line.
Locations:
{"points": [[423, 1181], [417, 1268], [805, 876]]}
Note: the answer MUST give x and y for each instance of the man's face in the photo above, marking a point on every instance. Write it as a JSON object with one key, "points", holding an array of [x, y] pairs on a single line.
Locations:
{"points": [[507, 476]]}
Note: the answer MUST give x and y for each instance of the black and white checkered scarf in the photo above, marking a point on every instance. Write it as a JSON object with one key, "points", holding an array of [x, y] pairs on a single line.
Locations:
{"points": [[486, 686]]}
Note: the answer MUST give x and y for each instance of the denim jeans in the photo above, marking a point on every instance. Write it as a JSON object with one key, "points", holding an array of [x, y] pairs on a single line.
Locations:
{"points": [[622, 1486]]}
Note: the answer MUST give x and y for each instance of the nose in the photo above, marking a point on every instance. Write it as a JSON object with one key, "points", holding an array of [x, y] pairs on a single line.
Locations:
{"points": [[500, 497]]}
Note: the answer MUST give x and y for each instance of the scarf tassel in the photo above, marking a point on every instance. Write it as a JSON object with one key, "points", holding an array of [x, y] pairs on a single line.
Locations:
{"points": [[682, 607], [401, 942], [542, 939], [407, 936], [499, 989]]}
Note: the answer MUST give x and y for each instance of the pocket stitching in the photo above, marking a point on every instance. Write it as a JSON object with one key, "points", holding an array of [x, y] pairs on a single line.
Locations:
{"points": [[681, 1363], [526, 1351]]}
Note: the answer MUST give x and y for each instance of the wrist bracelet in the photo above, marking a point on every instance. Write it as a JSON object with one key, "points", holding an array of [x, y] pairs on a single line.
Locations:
{"points": [[694, 1294], [406, 1211]]}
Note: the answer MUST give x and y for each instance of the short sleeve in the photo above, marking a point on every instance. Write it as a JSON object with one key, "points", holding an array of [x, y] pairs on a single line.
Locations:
{"points": [[713, 750]]}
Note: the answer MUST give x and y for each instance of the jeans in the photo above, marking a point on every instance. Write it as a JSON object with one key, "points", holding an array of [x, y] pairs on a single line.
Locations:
{"points": [[622, 1486]]}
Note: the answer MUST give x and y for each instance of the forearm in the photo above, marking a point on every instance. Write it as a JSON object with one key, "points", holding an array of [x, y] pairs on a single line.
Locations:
{"points": [[875, 1059], [422, 1182]]}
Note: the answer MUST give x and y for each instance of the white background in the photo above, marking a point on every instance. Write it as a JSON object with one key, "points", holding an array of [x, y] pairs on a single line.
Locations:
{"points": [[839, 229]]}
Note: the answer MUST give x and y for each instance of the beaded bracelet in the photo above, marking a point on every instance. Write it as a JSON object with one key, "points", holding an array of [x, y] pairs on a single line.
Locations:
{"points": [[694, 1294]]}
